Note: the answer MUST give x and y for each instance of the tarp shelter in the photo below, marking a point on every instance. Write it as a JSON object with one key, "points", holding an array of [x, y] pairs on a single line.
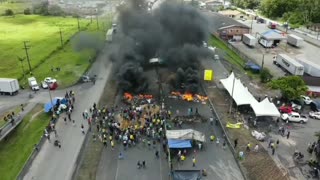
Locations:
{"points": [[273, 35], [241, 94], [186, 175], [265, 108], [185, 134], [48, 106], [178, 143]]}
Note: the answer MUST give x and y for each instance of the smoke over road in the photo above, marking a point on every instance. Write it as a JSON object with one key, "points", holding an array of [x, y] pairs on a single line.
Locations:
{"points": [[172, 32]]}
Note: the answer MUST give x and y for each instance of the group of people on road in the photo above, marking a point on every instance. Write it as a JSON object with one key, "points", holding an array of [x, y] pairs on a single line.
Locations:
{"points": [[51, 128]]}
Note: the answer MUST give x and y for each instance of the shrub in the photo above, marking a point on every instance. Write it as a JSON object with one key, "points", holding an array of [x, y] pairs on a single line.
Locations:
{"points": [[265, 75], [27, 11], [8, 12]]}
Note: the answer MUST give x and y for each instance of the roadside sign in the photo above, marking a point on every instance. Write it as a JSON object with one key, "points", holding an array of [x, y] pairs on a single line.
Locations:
{"points": [[208, 75]]}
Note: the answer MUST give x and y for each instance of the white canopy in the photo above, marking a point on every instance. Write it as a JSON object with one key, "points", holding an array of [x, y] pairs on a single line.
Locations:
{"points": [[185, 134], [265, 108], [242, 96]]}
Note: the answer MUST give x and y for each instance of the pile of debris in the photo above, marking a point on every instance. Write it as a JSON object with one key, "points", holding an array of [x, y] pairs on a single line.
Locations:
{"points": [[137, 99], [188, 97]]}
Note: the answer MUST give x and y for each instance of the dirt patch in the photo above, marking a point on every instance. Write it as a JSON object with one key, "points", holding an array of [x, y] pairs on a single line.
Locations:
{"points": [[92, 153], [256, 165]]}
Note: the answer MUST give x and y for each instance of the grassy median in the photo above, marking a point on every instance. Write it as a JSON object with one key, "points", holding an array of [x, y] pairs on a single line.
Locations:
{"points": [[17, 147]]}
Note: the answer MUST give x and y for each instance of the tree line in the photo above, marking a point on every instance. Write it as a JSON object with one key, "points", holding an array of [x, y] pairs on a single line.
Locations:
{"points": [[293, 11]]}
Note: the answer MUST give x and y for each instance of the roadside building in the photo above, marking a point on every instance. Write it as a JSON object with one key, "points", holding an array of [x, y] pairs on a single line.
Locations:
{"points": [[232, 14], [234, 32], [271, 38], [227, 28], [214, 5], [313, 84]]}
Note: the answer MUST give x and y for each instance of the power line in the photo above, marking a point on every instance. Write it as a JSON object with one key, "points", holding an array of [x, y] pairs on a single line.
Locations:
{"points": [[26, 48]]}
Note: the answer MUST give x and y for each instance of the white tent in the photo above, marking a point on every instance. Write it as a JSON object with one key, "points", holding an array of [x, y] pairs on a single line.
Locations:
{"points": [[185, 134], [265, 108], [241, 94]]}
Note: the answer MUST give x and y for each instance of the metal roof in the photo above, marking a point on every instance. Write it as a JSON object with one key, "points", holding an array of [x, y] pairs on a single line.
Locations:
{"points": [[273, 35], [217, 21]]}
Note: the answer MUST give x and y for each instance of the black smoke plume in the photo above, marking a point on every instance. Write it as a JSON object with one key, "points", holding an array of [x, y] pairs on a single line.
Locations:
{"points": [[173, 32]]}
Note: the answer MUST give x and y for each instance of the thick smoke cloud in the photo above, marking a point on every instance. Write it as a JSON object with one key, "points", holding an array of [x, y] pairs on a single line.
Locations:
{"points": [[172, 32]]}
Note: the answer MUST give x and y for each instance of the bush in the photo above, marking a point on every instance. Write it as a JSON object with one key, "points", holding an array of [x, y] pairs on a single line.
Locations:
{"points": [[265, 75], [27, 11], [8, 12]]}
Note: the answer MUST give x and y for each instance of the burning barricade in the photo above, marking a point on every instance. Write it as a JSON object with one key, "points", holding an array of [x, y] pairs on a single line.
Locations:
{"points": [[188, 97], [137, 99]]}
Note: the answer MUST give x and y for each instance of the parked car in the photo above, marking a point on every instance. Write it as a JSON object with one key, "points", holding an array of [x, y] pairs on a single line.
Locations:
{"points": [[294, 117], [314, 115], [306, 99], [44, 85], [286, 109], [49, 80], [297, 104]]}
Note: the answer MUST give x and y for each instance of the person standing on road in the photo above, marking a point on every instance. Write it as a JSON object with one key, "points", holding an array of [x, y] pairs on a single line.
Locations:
{"points": [[288, 134], [235, 143], [248, 147], [200, 146], [224, 144], [193, 161], [65, 120], [82, 129], [157, 154]]}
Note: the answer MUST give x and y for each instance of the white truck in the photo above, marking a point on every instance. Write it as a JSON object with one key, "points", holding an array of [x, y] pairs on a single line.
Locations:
{"points": [[294, 117], [265, 43], [249, 40], [309, 67], [289, 64], [33, 83], [109, 35], [294, 40], [9, 86]]}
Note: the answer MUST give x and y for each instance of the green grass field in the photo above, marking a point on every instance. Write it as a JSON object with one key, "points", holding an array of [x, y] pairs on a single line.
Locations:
{"points": [[230, 55], [20, 143], [43, 36], [17, 7]]}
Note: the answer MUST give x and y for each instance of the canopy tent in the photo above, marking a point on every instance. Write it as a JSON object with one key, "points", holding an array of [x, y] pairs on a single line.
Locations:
{"points": [[185, 134], [48, 106], [241, 94], [265, 108], [178, 143]]}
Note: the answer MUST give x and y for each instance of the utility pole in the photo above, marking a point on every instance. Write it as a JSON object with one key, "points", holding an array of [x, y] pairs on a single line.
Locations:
{"points": [[262, 63], [26, 48], [234, 79], [91, 15], [78, 24], [251, 24], [61, 40], [21, 61], [97, 22]]}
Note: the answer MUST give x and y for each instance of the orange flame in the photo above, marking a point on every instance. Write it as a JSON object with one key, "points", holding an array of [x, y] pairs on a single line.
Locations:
{"points": [[187, 97], [201, 98], [128, 96], [145, 96]]}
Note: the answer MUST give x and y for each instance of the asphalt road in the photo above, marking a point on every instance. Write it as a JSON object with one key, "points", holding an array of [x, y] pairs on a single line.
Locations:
{"points": [[52, 163], [219, 163]]}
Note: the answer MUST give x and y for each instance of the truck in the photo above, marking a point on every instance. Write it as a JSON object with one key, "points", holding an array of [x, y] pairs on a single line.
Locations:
{"points": [[33, 83], [249, 40], [294, 117], [9, 86], [309, 67], [289, 64], [265, 43], [109, 35], [272, 25], [294, 40]]}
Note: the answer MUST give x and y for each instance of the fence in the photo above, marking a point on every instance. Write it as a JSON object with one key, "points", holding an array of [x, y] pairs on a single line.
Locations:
{"points": [[32, 156], [234, 153]]}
